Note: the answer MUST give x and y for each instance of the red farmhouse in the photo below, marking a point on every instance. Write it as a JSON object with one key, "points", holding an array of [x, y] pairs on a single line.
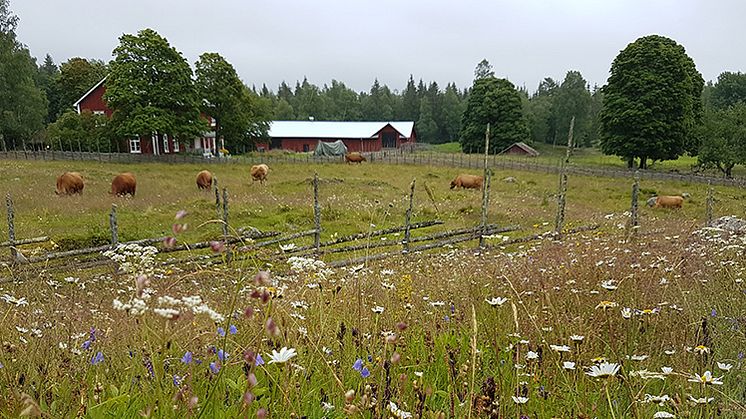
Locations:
{"points": [[303, 136], [157, 143]]}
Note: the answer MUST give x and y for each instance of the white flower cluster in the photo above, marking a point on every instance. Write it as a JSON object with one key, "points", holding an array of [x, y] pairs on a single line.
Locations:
{"points": [[135, 306], [133, 258], [13, 300], [193, 303], [300, 264]]}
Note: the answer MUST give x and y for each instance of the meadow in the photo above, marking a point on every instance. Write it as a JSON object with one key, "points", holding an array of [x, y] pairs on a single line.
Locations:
{"points": [[593, 325]]}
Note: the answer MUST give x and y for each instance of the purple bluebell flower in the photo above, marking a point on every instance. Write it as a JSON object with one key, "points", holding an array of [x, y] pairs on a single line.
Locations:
{"points": [[86, 345], [740, 355], [259, 361], [221, 332], [93, 334], [358, 365], [365, 372], [177, 380], [370, 358], [1, 365], [453, 309], [214, 368], [714, 313], [149, 365], [446, 318], [97, 359], [187, 358], [233, 330], [222, 355]]}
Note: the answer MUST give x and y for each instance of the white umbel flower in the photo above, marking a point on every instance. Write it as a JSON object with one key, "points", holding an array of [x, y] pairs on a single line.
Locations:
{"points": [[496, 301], [663, 414], [725, 366], [520, 400]]}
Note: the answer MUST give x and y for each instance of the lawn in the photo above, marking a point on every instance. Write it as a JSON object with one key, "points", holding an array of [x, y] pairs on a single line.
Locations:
{"points": [[516, 331]]}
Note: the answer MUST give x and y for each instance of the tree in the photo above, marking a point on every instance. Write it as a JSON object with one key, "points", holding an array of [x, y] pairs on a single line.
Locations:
{"points": [[723, 138], [82, 132], [729, 90], [572, 100], [541, 121], [427, 129], [483, 70], [46, 76], [453, 109], [76, 77], [23, 105], [494, 101], [410, 109], [651, 103], [228, 101], [150, 89]]}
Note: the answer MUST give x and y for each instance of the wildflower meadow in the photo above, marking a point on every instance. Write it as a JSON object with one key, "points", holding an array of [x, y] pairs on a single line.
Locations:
{"points": [[598, 324]]}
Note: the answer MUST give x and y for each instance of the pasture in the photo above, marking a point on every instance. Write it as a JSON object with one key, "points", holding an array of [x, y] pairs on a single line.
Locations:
{"points": [[455, 333]]}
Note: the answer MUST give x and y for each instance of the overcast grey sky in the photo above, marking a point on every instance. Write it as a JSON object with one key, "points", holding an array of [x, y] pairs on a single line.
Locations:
{"points": [[355, 41]]}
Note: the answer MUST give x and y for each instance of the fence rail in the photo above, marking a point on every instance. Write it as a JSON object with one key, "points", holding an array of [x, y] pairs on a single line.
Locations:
{"points": [[387, 157]]}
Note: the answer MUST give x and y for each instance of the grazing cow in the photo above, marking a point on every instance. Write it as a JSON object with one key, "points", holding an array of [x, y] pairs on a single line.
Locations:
{"points": [[259, 172], [124, 184], [666, 201], [204, 179], [69, 183], [354, 157], [467, 182]]}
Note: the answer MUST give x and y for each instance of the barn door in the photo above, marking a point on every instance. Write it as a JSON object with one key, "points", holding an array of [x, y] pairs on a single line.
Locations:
{"points": [[389, 140]]}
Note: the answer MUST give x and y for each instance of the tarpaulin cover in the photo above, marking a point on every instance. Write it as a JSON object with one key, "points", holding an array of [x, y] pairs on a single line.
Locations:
{"points": [[337, 148]]}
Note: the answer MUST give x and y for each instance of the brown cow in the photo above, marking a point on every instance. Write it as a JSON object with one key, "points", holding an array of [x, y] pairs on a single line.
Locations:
{"points": [[665, 201], [69, 183], [259, 172], [204, 179], [124, 184], [354, 157], [467, 182]]}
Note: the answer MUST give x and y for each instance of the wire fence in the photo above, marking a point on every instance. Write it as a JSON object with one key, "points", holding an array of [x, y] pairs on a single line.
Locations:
{"points": [[461, 160]]}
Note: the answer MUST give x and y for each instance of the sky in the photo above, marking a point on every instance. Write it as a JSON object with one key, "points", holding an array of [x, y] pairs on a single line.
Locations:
{"points": [[357, 41]]}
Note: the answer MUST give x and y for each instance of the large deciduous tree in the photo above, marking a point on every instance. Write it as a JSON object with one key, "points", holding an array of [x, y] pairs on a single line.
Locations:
{"points": [[651, 103], [729, 90], [150, 89], [23, 104], [497, 102], [723, 138], [226, 99], [76, 76]]}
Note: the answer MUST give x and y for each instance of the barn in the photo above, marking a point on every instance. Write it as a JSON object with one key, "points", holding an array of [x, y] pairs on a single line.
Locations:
{"points": [[361, 136], [520, 149], [156, 143]]}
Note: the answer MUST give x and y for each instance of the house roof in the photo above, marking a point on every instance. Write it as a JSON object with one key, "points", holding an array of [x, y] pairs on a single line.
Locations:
{"points": [[523, 146], [335, 129], [90, 91]]}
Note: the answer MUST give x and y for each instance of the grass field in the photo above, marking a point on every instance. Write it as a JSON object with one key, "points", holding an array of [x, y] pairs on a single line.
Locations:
{"points": [[593, 157], [456, 333]]}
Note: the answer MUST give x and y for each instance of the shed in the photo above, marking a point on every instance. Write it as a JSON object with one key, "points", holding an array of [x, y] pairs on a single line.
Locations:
{"points": [[520, 149]]}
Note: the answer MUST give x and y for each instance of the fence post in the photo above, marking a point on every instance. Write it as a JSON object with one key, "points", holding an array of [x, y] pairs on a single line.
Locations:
{"points": [[634, 222], [485, 187], [11, 227], [217, 199], [562, 193], [316, 214], [408, 219], [113, 225], [225, 214], [710, 203]]}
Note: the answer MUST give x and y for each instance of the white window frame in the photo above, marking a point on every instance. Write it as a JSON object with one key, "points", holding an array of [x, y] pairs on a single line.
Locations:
{"points": [[165, 144], [135, 147], [176, 145], [99, 113]]}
